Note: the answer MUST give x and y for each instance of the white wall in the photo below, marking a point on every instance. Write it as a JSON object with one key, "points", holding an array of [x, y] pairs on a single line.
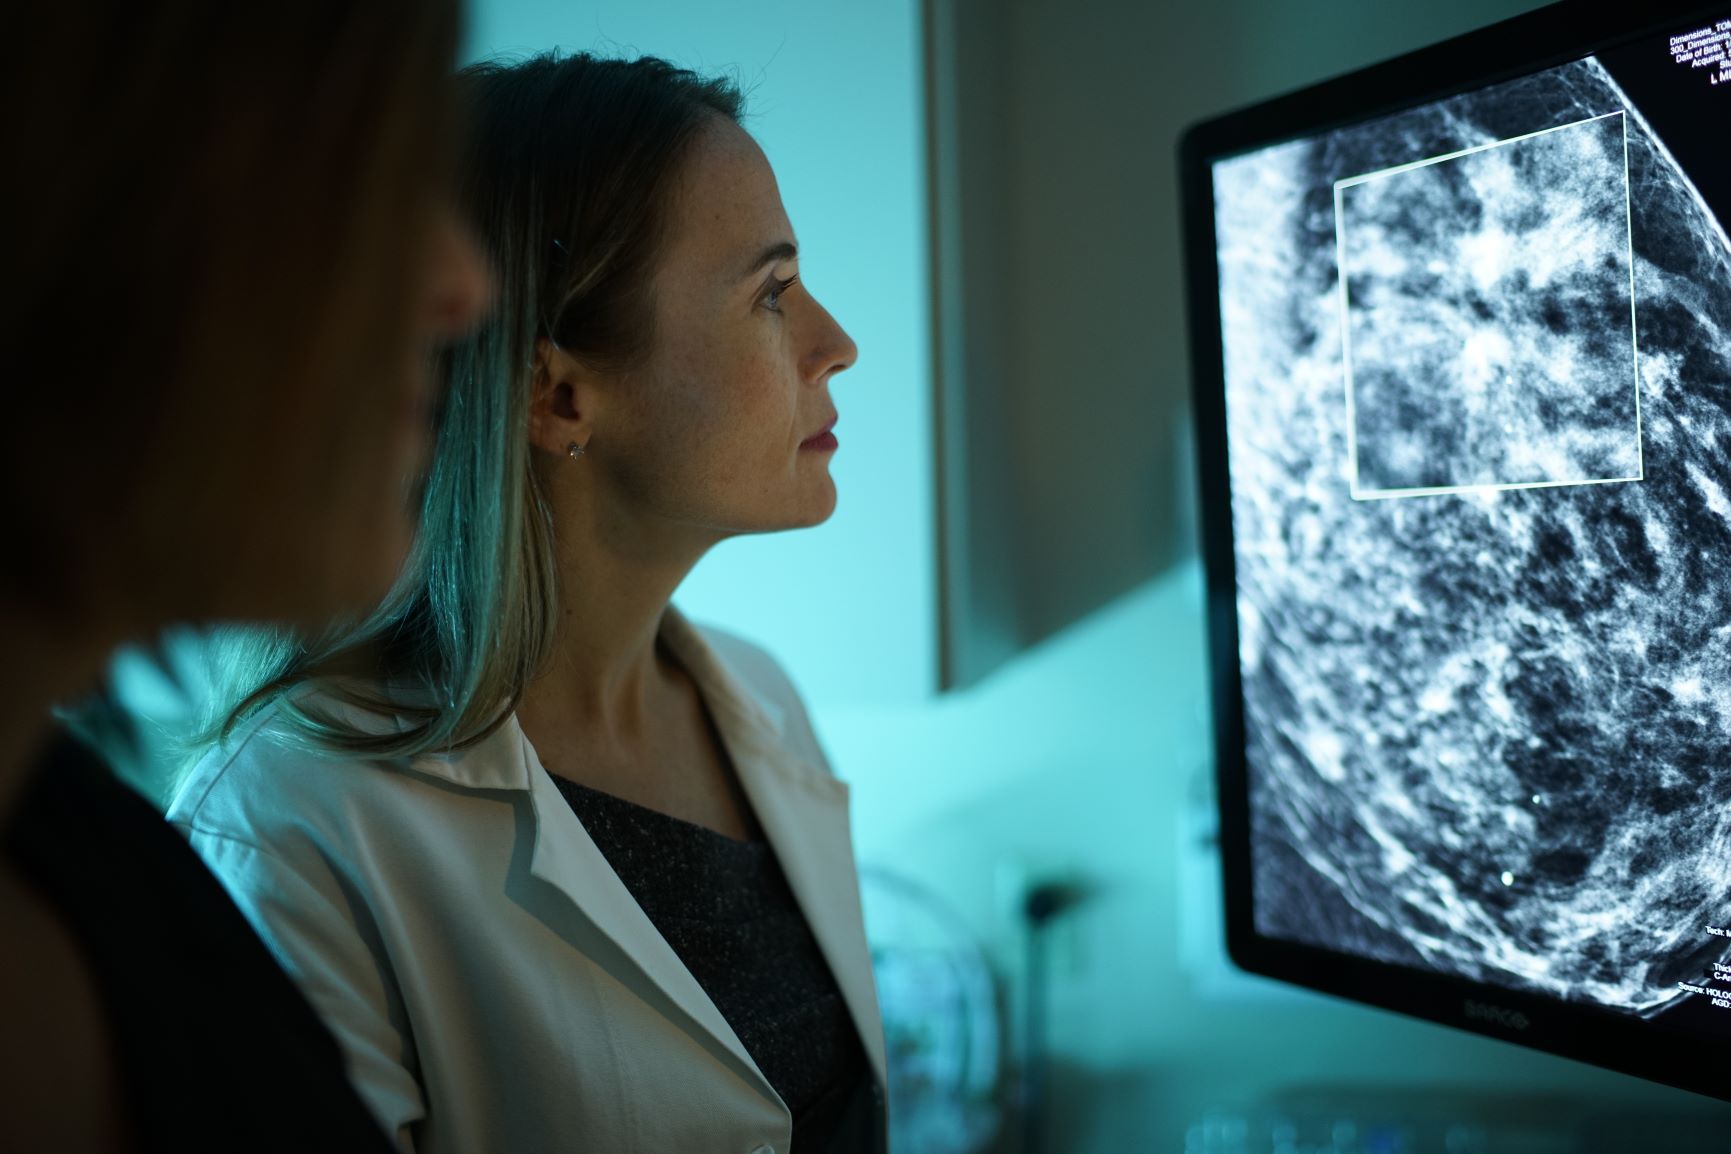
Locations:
{"points": [[834, 97]]}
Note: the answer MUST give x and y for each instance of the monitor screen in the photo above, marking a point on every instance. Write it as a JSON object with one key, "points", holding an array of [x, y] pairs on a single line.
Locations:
{"points": [[1475, 366]]}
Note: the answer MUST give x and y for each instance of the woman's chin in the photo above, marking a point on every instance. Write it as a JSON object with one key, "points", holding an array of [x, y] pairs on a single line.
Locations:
{"points": [[821, 504]]}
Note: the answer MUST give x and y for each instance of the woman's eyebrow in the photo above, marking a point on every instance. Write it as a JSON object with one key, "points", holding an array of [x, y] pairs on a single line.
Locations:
{"points": [[780, 251]]}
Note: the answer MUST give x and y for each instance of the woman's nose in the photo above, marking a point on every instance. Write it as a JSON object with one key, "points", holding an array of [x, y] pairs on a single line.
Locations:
{"points": [[832, 350]]}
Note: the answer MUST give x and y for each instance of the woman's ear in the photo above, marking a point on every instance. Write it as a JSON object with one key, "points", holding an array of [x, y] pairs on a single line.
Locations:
{"points": [[560, 399]]}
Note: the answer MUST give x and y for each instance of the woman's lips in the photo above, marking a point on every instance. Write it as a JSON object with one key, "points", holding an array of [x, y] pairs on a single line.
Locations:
{"points": [[821, 441]]}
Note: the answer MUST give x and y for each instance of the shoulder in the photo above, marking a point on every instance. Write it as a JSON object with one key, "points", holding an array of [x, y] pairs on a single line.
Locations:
{"points": [[262, 781], [223, 772]]}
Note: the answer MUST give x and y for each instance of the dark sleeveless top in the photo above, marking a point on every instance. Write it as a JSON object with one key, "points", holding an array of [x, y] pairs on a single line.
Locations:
{"points": [[726, 909], [214, 1046]]}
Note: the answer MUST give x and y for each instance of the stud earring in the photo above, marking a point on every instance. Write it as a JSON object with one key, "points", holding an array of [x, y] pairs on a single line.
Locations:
{"points": [[573, 450]]}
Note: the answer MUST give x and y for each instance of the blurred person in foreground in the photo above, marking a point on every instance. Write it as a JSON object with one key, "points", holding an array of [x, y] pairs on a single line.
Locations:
{"points": [[230, 252]]}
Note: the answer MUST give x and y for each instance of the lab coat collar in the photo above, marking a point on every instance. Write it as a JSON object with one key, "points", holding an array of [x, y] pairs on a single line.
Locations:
{"points": [[567, 860], [497, 761], [723, 691], [804, 814], [806, 825], [808, 829]]}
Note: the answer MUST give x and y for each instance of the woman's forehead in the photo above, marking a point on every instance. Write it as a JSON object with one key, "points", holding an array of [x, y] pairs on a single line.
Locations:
{"points": [[728, 208]]}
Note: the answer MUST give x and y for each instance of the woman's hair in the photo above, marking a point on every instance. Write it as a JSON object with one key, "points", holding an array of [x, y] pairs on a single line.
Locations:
{"points": [[208, 205], [569, 169]]}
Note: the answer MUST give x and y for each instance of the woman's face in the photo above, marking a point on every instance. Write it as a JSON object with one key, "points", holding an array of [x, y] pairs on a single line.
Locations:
{"points": [[451, 294], [302, 508], [725, 427]]}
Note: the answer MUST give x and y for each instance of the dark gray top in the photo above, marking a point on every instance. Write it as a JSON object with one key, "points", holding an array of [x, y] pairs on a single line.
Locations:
{"points": [[726, 909]]}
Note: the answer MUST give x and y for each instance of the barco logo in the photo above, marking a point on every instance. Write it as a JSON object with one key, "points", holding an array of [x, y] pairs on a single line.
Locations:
{"points": [[1499, 1015]]}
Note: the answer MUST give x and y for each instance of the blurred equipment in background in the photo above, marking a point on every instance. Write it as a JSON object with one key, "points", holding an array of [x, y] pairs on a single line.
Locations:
{"points": [[943, 1027], [1045, 903]]}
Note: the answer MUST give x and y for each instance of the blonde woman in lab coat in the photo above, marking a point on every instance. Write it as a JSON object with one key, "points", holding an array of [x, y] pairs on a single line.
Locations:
{"points": [[559, 868]]}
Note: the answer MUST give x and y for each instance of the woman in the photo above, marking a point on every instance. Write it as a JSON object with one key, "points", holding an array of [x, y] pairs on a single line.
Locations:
{"points": [[593, 887], [226, 257]]}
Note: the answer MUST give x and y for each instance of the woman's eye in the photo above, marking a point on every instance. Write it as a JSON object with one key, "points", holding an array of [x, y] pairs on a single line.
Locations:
{"points": [[772, 299]]}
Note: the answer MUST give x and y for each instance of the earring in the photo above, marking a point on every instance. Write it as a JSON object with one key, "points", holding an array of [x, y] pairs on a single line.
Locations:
{"points": [[573, 450]]}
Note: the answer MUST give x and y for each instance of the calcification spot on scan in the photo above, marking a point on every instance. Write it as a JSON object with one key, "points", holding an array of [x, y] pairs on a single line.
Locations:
{"points": [[1482, 512]]}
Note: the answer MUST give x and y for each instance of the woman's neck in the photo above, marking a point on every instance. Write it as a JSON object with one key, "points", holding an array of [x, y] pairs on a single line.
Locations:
{"points": [[606, 680]]}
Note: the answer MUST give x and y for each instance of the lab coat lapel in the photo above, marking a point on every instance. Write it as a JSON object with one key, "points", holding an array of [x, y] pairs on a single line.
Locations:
{"points": [[804, 814], [566, 858]]}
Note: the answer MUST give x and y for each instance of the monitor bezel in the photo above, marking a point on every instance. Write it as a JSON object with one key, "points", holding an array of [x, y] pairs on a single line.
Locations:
{"points": [[1540, 39]]}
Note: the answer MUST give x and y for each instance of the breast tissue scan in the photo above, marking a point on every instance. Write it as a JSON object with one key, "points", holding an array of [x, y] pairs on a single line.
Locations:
{"points": [[1478, 377]]}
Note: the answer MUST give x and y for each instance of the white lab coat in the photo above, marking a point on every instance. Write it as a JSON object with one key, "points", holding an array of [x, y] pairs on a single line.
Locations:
{"points": [[494, 986]]}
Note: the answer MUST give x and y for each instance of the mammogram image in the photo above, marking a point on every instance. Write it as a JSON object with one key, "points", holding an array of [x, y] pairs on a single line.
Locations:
{"points": [[1488, 713], [1487, 310]]}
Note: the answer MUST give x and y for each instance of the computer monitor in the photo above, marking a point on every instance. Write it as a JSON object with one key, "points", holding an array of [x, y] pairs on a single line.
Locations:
{"points": [[1461, 327]]}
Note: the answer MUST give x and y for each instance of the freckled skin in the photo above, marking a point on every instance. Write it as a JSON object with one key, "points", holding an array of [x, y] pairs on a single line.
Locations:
{"points": [[698, 443], [704, 436]]}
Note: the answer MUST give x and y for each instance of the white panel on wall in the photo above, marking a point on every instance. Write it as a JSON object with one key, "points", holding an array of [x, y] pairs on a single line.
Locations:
{"points": [[834, 96]]}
